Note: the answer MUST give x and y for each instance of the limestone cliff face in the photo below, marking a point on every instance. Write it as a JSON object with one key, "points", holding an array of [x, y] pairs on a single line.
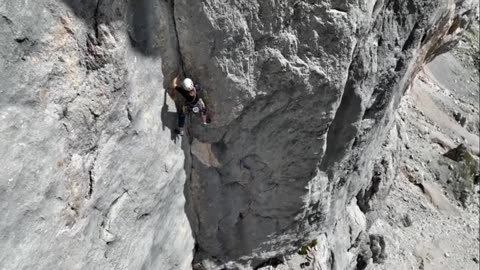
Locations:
{"points": [[301, 96], [91, 178]]}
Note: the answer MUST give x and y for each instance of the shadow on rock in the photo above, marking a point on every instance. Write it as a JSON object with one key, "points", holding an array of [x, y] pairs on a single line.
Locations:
{"points": [[150, 29], [85, 10], [144, 20], [145, 27]]}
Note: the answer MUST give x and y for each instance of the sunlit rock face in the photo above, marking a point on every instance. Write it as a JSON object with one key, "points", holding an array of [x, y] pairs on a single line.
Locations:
{"points": [[91, 176], [302, 95]]}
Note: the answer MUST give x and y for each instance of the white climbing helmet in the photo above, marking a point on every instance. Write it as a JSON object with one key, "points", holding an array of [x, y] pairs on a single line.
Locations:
{"points": [[188, 84]]}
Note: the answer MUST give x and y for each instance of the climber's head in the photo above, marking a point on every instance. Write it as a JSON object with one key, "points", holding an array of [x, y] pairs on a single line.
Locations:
{"points": [[188, 84]]}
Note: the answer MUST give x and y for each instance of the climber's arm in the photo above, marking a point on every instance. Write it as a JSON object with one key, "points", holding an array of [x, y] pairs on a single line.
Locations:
{"points": [[174, 86], [200, 91]]}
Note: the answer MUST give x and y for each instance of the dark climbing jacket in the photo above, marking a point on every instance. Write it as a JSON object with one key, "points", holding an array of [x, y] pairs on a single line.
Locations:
{"points": [[190, 100], [190, 103]]}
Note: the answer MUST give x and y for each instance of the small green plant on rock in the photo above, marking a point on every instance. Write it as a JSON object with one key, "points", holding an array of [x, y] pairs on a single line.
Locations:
{"points": [[465, 173], [304, 249], [466, 176]]}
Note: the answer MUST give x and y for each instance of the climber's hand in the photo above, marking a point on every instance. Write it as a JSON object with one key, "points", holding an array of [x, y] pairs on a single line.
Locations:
{"points": [[174, 82]]}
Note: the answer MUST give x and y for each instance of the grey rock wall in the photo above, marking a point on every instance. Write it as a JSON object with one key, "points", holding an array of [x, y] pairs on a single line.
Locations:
{"points": [[91, 176], [301, 96]]}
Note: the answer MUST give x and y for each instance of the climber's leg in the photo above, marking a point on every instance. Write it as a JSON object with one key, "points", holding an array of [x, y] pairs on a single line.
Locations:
{"points": [[181, 121]]}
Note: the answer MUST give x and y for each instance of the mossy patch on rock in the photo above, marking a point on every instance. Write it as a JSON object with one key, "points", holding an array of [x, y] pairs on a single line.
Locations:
{"points": [[304, 249], [465, 173]]}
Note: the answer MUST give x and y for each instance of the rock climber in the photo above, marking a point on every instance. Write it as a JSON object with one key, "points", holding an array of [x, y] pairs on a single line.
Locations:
{"points": [[193, 102]]}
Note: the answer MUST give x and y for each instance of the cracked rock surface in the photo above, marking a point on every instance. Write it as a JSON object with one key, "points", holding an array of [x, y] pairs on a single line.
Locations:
{"points": [[91, 178], [302, 96]]}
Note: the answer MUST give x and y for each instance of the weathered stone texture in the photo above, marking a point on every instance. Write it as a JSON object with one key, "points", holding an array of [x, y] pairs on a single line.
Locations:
{"points": [[303, 95], [91, 178]]}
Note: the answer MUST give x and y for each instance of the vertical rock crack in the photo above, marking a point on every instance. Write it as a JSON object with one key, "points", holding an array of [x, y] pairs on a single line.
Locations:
{"points": [[175, 30]]}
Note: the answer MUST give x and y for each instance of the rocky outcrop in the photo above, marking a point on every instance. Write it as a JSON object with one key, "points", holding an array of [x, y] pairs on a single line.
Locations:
{"points": [[301, 96]]}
